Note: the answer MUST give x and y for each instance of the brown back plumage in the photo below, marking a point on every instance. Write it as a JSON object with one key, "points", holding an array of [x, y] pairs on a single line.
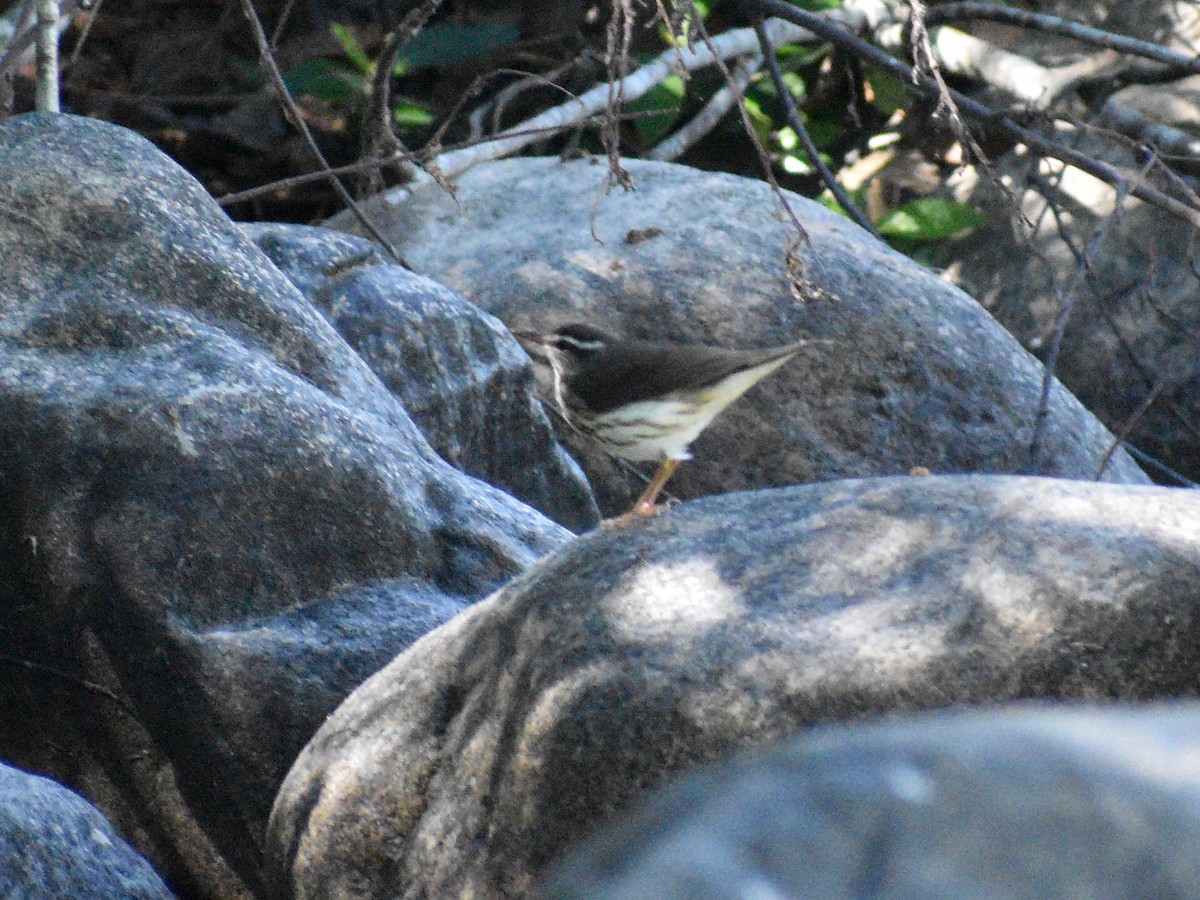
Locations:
{"points": [[638, 370]]}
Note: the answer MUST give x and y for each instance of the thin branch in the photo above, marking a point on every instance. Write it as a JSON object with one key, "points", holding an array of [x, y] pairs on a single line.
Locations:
{"points": [[1028, 81], [1040, 86], [810, 148], [47, 94], [926, 66], [1143, 457], [731, 44], [1069, 297], [498, 104], [618, 39], [1151, 376], [91, 686], [377, 120], [801, 286], [1130, 423], [285, 97], [92, 12], [15, 20], [284, 15], [714, 110], [835, 33], [372, 165], [952, 12], [19, 49], [358, 168], [1128, 121]]}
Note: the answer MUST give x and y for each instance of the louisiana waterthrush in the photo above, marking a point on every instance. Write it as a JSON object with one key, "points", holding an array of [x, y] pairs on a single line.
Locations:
{"points": [[647, 402]]}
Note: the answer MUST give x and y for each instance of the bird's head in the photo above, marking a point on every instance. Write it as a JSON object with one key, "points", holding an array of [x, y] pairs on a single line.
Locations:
{"points": [[569, 347]]}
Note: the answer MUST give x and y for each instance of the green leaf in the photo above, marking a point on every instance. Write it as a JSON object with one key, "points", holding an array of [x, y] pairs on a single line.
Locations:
{"points": [[795, 85], [353, 49], [823, 130], [817, 5], [449, 45], [796, 165], [410, 115], [793, 82], [664, 98], [324, 79], [930, 219], [703, 8], [890, 94], [762, 122]]}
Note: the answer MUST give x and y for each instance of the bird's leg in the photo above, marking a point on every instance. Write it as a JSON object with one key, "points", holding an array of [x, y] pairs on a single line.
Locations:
{"points": [[645, 503]]}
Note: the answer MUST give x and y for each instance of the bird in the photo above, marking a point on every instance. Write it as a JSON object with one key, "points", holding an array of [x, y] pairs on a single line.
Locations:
{"points": [[643, 401]]}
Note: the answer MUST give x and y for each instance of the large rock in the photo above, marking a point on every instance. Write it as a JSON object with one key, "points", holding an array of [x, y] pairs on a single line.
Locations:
{"points": [[915, 374], [638, 651], [54, 844], [1020, 803], [218, 519], [458, 372]]}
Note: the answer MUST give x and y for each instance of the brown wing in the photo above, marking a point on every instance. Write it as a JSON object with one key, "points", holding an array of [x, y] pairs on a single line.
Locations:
{"points": [[637, 371]]}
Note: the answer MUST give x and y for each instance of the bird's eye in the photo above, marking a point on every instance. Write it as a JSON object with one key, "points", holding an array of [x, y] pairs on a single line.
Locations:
{"points": [[575, 346]]}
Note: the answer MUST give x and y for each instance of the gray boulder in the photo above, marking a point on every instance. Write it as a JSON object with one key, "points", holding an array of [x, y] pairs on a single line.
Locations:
{"points": [[457, 371], [915, 374], [219, 520], [1030, 803], [638, 651], [54, 844]]}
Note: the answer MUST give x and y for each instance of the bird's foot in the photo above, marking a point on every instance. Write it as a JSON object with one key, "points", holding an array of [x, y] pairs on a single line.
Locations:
{"points": [[639, 512]]}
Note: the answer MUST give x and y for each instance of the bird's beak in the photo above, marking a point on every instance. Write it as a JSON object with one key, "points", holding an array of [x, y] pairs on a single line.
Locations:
{"points": [[533, 344], [529, 337]]}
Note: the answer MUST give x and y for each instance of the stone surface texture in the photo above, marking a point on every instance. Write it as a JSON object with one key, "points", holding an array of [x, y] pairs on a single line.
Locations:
{"points": [[462, 377], [218, 520], [54, 844], [639, 651], [1016, 803]]}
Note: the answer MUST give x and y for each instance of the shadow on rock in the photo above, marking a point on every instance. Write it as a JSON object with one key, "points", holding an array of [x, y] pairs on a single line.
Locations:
{"points": [[500, 739]]}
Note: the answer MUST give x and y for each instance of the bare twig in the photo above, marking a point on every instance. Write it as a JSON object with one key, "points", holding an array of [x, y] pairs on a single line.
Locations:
{"points": [[297, 119], [810, 148], [93, 12], [1128, 121], [1128, 426], [20, 35], [618, 40], [714, 110], [802, 287], [1038, 144], [373, 165], [358, 168], [731, 44], [31, 666], [1028, 81], [1069, 297], [284, 15], [925, 66], [498, 104], [46, 99], [15, 20], [951, 12], [377, 120], [1143, 457], [1150, 375]]}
